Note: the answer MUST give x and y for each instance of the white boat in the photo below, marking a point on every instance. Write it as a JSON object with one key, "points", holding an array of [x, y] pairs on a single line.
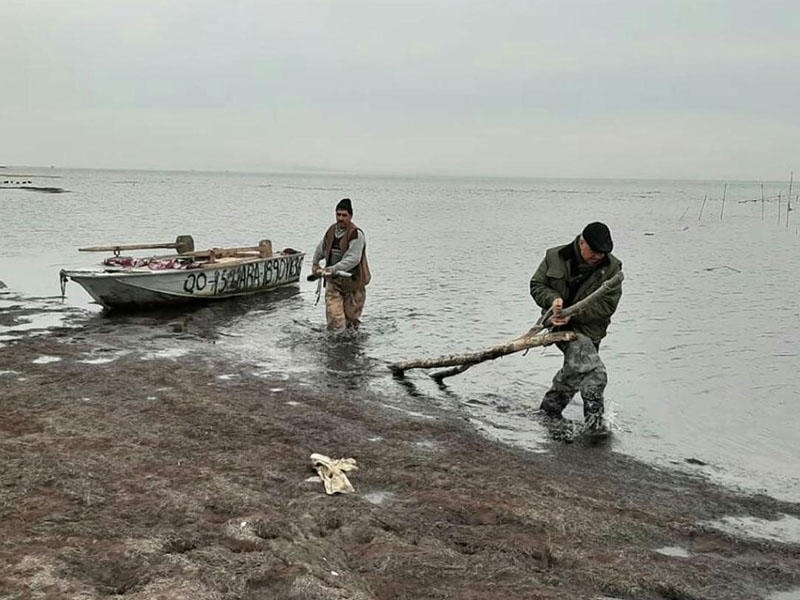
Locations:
{"points": [[187, 277]]}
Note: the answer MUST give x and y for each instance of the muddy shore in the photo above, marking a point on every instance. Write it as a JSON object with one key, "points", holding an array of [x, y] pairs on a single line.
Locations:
{"points": [[159, 479]]}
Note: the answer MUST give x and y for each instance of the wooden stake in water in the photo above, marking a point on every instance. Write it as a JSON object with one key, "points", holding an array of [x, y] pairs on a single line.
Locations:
{"points": [[788, 210], [779, 208], [724, 192], [762, 202], [702, 206]]}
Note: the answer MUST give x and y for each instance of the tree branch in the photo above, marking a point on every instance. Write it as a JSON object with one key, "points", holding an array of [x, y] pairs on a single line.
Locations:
{"points": [[535, 336], [453, 360]]}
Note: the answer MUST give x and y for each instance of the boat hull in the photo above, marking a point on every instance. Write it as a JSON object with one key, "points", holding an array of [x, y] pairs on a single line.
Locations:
{"points": [[143, 288]]}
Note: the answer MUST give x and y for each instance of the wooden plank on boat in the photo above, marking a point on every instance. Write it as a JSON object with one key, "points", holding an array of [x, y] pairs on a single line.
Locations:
{"points": [[183, 244], [263, 250]]}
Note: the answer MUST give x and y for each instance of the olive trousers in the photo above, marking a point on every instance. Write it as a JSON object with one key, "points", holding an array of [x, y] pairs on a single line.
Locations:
{"points": [[343, 307], [582, 371]]}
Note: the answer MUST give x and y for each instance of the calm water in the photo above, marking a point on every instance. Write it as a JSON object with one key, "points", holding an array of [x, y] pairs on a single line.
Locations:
{"points": [[702, 354]]}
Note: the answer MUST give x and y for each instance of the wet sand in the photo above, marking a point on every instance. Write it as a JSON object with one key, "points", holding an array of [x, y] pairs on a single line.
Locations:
{"points": [[159, 479]]}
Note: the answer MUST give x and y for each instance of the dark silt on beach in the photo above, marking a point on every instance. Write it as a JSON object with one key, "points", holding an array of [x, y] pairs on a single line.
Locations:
{"points": [[702, 356], [139, 461]]}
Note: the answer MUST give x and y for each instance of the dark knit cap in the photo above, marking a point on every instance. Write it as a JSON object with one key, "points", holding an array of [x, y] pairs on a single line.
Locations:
{"points": [[344, 204], [598, 237]]}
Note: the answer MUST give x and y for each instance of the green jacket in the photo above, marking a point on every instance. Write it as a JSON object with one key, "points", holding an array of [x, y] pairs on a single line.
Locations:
{"points": [[552, 280]]}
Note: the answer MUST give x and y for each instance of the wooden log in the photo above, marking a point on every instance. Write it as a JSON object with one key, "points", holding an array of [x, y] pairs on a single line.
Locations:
{"points": [[438, 376], [452, 360], [535, 336]]}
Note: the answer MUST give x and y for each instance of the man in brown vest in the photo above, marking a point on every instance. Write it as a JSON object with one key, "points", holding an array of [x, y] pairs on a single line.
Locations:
{"points": [[344, 248]]}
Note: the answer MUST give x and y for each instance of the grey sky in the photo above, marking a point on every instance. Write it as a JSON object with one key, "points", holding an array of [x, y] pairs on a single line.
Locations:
{"points": [[576, 89]]}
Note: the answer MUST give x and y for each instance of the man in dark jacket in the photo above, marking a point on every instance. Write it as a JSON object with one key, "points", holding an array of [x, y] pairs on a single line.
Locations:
{"points": [[568, 274]]}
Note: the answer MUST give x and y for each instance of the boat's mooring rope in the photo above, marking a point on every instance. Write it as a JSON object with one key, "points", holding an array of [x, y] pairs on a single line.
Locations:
{"points": [[63, 278]]}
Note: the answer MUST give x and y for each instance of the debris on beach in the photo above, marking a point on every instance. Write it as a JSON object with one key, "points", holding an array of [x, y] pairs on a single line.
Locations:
{"points": [[332, 473]]}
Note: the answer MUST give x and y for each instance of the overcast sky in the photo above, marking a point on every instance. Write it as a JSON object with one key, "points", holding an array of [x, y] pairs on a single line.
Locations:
{"points": [[635, 88]]}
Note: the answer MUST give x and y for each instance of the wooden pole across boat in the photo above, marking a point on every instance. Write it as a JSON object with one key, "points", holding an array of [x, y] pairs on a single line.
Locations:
{"points": [[183, 244]]}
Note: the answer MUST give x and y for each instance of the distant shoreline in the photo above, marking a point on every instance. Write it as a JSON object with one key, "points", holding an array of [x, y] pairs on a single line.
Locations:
{"points": [[33, 188], [312, 172]]}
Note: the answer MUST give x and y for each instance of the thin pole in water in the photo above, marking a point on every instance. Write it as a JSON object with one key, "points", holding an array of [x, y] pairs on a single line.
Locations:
{"points": [[762, 202], [702, 206], [779, 208], [724, 192]]}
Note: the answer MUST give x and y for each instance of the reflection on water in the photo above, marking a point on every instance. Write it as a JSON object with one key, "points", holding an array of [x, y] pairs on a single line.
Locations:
{"points": [[703, 354], [30, 316], [204, 319], [409, 386], [344, 358]]}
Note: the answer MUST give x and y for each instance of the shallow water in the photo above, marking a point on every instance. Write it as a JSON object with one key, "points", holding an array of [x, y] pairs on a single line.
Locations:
{"points": [[703, 353], [790, 595], [786, 529], [675, 551]]}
